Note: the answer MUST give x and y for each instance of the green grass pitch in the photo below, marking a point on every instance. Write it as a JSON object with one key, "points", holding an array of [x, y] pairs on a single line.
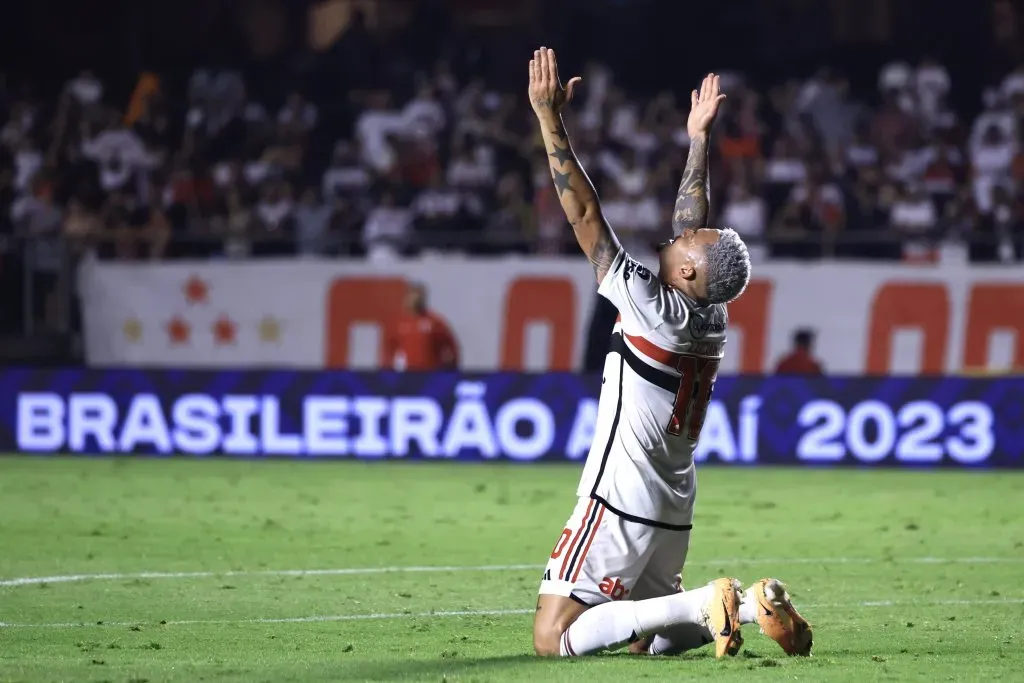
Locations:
{"points": [[432, 570]]}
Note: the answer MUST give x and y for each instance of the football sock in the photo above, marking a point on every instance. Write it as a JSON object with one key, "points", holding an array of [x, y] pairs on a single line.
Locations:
{"points": [[689, 637], [613, 624], [679, 639]]}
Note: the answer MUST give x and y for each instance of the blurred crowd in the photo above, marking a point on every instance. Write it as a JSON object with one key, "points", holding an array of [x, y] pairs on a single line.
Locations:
{"points": [[440, 162]]}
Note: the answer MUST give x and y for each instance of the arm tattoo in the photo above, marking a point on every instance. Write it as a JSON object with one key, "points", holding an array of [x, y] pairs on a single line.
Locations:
{"points": [[602, 255], [691, 209], [578, 198], [561, 181], [561, 154]]}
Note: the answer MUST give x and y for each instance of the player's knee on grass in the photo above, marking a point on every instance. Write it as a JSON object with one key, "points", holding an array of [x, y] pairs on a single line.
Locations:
{"points": [[555, 614], [545, 642]]}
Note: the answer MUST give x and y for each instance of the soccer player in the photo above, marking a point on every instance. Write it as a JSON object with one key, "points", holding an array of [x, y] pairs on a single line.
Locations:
{"points": [[612, 577]]}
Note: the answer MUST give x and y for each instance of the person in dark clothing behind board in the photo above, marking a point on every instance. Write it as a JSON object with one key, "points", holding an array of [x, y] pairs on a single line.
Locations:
{"points": [[801, 360], [599, 334]]}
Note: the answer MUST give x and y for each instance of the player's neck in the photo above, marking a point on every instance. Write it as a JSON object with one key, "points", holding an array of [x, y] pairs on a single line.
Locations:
{"points": [[686, 287]]}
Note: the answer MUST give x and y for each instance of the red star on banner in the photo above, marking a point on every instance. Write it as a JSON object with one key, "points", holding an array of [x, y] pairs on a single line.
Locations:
{"points": [[178, 330], [224, 330], [196, 290]]}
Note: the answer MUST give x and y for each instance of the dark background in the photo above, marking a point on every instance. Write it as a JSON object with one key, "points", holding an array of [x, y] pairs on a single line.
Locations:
{"points": [[656, 43]]}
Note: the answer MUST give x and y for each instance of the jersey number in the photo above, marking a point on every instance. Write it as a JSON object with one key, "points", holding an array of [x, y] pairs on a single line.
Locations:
{"points": [[697, 379]]}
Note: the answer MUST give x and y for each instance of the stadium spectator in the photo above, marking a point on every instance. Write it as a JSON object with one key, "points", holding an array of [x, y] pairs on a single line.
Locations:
{"points": [[387, 232], [817, 205], [800, 360], [236, 224], [312, 224], [140, 231], [746, 213], [512, 227], [552, 236], [914, 214], [438, 212], [893, 126], [807, 166], [931, 87], [636, 217], [991, 159], [419, 339], [375, 131], [85, 88], [345, 177], [1008, 223], [297, 114]]}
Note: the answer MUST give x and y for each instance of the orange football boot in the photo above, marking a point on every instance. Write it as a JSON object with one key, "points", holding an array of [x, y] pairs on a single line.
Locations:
{"points": [[779, 620], [722, 616]]}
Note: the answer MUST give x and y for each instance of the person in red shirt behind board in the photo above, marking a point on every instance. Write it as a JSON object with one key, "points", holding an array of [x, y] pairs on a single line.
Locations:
{"points": [[420, 339], [800, 360]]}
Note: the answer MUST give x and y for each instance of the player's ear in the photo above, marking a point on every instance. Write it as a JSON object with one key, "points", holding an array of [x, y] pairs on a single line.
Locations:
{"points": [[688, 265]]}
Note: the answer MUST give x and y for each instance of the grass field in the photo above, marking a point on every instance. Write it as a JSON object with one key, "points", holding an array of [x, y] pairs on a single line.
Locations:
{"points": [[429, 572]]}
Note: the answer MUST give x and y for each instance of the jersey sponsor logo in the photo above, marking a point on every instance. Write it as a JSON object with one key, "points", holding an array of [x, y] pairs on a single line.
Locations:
{"points": [[632, 267], [613, 588], [712, 321]]}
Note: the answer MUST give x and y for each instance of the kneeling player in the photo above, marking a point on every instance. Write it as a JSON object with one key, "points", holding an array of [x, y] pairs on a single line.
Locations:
{"points": [[611, 578]]}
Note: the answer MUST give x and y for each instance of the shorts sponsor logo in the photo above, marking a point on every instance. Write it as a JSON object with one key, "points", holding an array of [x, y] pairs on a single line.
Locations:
{"points": [[613, 588]]}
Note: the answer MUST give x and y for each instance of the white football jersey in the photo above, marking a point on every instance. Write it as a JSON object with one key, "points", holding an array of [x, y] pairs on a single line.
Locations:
{"points": [[657, 384]]}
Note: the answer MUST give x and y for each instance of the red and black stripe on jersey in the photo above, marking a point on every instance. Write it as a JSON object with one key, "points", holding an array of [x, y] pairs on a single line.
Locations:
{"points": [[658, 378]]}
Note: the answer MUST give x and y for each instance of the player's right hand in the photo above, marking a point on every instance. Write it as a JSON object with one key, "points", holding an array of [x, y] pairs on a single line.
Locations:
{"points": [[704, 106], [547, 96]]}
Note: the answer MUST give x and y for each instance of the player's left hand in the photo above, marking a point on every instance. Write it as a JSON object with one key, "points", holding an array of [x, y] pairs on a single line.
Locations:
{"points": [[704, 106], [546, 92]]}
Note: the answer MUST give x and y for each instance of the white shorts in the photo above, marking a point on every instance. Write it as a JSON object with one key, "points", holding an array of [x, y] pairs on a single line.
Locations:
{"points": [[602, 557]]}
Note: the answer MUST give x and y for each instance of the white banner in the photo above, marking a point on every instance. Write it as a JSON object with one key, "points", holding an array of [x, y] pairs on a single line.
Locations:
{"points": [[532, 314]]}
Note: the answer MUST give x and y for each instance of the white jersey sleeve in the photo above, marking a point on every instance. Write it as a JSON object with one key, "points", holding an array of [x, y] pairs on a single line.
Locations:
{"points": [[644, 303]]}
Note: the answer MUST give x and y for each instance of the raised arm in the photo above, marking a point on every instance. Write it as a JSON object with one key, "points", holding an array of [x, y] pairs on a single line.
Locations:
{"points": [[575, 191], [692, 204]]}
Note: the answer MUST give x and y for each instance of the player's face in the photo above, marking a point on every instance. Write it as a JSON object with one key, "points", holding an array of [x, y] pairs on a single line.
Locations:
{"points": [[681, 260]]}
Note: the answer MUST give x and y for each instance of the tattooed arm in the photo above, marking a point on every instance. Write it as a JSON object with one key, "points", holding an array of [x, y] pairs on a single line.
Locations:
{"points": [[575, 191], [578, 198], [692, 204]]}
